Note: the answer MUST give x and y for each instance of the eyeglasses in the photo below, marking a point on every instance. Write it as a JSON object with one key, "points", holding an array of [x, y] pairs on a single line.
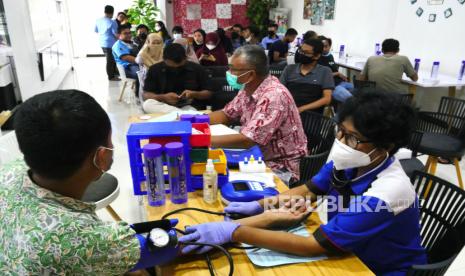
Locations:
{"points": [[300, 51], [350, 140]]}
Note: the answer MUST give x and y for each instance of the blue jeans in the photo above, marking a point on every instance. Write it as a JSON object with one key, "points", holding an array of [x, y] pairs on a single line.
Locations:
{"points": [[343, 91]]}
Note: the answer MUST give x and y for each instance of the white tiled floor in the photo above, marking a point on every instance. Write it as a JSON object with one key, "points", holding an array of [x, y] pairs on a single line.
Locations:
{"points": [[89, 76]]}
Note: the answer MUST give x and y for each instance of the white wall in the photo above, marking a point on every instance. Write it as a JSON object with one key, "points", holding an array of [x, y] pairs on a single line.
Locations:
{"points": [[359, 24], [166, 13], [25, 52]]}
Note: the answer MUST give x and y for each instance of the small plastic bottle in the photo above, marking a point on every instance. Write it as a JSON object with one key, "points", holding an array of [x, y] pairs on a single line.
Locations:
{"points": [[187, 117], [202, 119], [154, 174], [377, 49], [462, 70], [177, 172], [342, 53], [435, 70], [416, 67], [210, 183]]}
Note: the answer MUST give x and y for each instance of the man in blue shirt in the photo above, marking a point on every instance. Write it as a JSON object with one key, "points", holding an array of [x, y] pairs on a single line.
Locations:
{"points": [[125, 53], [267, 41], [372, 206], [107, 30]]}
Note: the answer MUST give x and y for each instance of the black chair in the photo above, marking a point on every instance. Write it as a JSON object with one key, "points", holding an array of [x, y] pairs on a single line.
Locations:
{"points": [[361, 86], [222, 93], [413, 164], [277, 69], [443, 136], [320, 131], [442, 220], [406, 98], [449, 105], [309, 166], [217, 71]]}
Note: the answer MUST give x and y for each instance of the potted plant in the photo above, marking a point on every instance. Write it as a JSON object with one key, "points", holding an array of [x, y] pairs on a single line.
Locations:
{"points": [[258, 12], [143, 12]]}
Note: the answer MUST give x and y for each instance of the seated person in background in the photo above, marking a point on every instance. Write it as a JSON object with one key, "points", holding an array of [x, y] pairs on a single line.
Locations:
{"points": [[177, 32], [161, 30], [387, 70], [225, 41], [236, 36], [309, 83], [142, 32], [121, 19], [310, 35], [272, 37], [65, 137], [199, 38], [176, 82], [376, 214], [212, 53], [343, 88], [266, 112], [278, 51], [191, 56], [151, 53], [251, 35], [125, 53]]}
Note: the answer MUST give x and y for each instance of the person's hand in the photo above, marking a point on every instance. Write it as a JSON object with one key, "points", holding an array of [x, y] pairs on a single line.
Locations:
{"points": [[288, 215], [171, 98], [343, 77], [214, 233], [187, 94], [244, 208], [301, 109]]}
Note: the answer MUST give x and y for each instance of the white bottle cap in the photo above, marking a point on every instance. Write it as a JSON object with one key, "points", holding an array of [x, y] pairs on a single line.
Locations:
{"points": [[210, 167]]}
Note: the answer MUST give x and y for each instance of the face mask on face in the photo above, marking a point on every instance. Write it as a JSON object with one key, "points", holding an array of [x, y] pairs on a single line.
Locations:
{"points": [[157, 28], [143, 36], [211, 47], [232, 80], [95, 157], [345, 157], [176, 36]]}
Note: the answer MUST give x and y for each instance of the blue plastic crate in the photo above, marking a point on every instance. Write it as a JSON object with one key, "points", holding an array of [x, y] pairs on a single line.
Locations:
{"points": [[144, 131]]}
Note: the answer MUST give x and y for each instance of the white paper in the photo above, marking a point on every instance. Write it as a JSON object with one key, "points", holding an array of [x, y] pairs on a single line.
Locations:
{"points": [[267, 178], [172, 116], [267, 258], [218, 130]]}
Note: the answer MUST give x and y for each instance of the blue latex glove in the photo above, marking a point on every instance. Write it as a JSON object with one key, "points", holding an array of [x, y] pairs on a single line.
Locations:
{"points": [[214, 232], [244, 208]]}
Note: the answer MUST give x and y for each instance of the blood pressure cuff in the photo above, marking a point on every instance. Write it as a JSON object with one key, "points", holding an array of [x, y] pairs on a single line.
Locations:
{"points": [[149, 258]]}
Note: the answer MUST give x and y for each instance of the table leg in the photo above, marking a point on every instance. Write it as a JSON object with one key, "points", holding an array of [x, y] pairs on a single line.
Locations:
{"points": [[412, 89], [452, 91]]}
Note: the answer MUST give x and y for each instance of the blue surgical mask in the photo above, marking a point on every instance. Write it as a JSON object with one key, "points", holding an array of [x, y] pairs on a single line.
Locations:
{"points": [[232, 80]]}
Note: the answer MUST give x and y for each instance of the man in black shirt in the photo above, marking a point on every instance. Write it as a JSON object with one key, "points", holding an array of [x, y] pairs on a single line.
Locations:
{"points": [[343, 88], [176, 81], [278, 50], [142, 31]]}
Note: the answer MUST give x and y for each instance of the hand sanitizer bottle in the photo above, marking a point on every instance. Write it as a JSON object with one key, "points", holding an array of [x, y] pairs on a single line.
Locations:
{"points": [[210, 183]]}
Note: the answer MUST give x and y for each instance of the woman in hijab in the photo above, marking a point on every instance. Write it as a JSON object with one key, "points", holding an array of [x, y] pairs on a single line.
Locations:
{"points": [[161, 30], [189, 50], [225, 41], [151, 53], [212, 53], [199, 38]]}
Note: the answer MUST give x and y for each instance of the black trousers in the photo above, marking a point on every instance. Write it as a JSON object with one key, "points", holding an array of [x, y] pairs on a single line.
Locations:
{"points": [[111, 64]]}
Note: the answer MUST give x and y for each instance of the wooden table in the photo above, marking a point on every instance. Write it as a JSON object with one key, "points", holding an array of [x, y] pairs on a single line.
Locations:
{"points": [[196, 265]]}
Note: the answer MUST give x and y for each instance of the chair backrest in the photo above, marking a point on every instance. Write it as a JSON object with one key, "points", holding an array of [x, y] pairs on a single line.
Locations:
{"points": [[217, 71], [406, 98], [414, 142], [9, 148], [320, 131], [442, 220], [121, 71], [311, 165], [452, 106], [141, 77], [360, 84], [442, 123], [277, 69]]}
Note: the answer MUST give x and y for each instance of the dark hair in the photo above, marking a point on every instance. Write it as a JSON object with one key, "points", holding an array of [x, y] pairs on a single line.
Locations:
{"points": [[273, 25], [177, 29], [57, 131], [174, 52], [309, 34], [142, 26], [255, 56], [121, 13], [290, 32], [237, 25], [202, 32], [390, 45], [123, 27], [322, 38], [164, 32], [109, 9], [254, 30], [381, 117], [316, 44]]}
